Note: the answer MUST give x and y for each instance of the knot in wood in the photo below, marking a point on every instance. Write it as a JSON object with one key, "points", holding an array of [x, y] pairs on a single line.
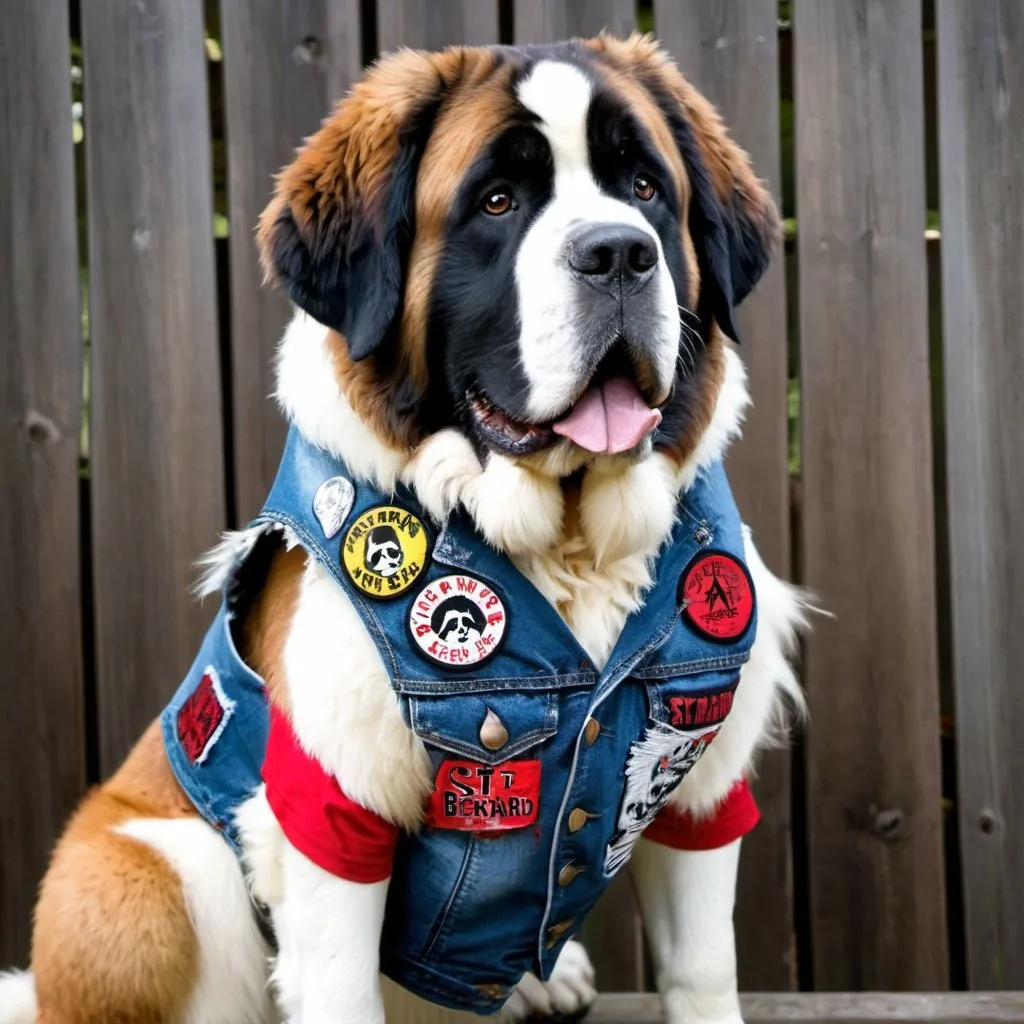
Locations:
{"points": [[988, 821], [888, 823], [309, 51], [41, 429]]}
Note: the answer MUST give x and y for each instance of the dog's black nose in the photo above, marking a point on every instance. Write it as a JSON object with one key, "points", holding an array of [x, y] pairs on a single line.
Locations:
{"points": [[613, 257]]}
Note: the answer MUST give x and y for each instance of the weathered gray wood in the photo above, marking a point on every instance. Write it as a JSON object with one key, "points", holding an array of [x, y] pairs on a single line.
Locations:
{"points": [[860, 1008], [873, 800], [981, 111], [429, 25], [157, 467], [545, 21], [285, 63], [41, 730], [730, 52]]}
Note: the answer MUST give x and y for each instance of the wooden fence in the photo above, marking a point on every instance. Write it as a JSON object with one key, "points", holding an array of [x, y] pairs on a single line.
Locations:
{"points": [[883, 462]]}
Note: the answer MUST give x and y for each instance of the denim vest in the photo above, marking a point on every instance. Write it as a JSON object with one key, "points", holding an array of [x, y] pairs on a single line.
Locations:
{"points": [[547, 770]]}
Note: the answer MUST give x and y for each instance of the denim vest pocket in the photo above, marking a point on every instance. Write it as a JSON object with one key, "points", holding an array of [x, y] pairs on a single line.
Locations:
{"points": [[488, 728]]}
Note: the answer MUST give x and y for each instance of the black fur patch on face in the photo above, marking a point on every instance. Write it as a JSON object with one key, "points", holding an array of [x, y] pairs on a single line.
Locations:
{"points": [[473, 333], [621, 152], [733, 252], [686, 406]]}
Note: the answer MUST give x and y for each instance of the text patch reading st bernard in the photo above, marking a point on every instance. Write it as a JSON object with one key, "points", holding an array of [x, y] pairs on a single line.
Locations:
{"points": [[385, 551], [485, 798]]}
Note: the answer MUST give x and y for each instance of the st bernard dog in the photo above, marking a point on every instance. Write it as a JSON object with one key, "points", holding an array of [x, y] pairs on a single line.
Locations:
{"points": [[471, 659]]}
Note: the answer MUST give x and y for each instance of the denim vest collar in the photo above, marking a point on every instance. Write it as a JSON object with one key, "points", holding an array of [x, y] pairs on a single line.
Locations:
{"points": [[540, 651]]}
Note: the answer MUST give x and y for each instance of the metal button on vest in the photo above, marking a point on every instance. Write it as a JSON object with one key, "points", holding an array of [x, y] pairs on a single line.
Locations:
{"points": [[556, 931], [492, 991], [578, 818], [568, 874], [591, 731], [493, 734]]}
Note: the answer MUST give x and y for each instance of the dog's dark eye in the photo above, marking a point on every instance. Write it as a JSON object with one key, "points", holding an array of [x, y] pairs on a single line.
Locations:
{"points": [[498, 203], [643, 188]]}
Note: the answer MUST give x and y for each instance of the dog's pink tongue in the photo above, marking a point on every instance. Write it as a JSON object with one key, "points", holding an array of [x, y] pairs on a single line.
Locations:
{"points": [[610, 417]]}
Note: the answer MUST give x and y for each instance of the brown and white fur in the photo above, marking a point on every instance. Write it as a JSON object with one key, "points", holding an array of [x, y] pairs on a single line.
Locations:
{"points": [[144, 913]]}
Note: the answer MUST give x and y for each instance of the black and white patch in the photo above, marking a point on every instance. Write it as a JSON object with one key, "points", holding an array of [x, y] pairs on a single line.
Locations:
{"points": [[655, 766], [383, 552], [458, 621]]}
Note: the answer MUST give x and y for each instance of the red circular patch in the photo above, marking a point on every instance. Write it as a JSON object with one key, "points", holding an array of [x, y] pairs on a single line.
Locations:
{"points": [[717, 595]]}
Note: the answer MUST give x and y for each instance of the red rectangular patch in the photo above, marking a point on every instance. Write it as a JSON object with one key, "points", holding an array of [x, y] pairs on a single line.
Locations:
{"points": [[477, 797], [202, 717]]}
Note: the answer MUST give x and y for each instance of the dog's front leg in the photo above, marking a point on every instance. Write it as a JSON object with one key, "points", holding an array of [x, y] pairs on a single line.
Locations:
{"points": [[328, 930], [687, 899]]}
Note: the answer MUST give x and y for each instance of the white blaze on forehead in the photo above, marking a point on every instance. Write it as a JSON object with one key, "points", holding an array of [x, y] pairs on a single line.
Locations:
{"points": [[559, 94], [550, 342]]}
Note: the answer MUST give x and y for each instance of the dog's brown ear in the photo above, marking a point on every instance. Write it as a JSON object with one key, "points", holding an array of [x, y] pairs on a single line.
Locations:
{"points": [[338, 231], [732, 217]]}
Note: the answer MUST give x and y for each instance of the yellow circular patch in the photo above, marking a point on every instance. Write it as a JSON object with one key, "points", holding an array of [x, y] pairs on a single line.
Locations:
{"points": [[385, 551]]}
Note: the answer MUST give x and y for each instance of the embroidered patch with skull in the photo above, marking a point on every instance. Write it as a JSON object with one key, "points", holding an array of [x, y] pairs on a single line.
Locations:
{"points": [[655, 766], [457, 621], [385, 551]]}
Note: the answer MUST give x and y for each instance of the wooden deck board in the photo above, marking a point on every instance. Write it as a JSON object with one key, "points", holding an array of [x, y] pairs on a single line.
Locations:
{"points": [[855, 1008]]}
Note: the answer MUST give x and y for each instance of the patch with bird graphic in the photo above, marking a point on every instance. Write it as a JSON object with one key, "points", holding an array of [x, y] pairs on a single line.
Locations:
{"points": [[716, 595]]}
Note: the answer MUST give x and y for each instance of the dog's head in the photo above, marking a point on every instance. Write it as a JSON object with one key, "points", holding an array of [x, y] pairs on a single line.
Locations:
{"points": [[537, 246]]}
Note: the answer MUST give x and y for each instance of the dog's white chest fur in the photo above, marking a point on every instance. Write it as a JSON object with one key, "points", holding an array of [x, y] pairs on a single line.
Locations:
{"points": [[593, 603]]}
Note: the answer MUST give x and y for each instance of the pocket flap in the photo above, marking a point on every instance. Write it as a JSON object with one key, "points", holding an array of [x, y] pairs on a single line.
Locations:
{"points": [[489, 728], [693, 703]]}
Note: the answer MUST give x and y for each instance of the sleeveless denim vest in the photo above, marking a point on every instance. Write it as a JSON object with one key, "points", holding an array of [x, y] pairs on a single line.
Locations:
{"points": [[574, 762]]}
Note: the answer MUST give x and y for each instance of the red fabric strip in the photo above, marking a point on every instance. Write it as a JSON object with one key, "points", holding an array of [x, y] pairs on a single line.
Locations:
{"points": [[332, 830], [734, 817]]}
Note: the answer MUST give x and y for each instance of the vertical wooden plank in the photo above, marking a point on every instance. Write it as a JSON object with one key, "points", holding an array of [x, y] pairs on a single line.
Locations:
{"points": [[981, 129], [429, 25], [730, 52], [41, 732], [874, 816], [157, 470], [285, 63], [545, 21]]}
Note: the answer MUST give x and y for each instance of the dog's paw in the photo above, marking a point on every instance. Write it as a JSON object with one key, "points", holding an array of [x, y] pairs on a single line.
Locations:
{"points": [[565, 996]]}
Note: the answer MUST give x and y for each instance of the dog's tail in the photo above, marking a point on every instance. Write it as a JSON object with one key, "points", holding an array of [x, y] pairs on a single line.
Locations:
{"points": [[17, 998]]}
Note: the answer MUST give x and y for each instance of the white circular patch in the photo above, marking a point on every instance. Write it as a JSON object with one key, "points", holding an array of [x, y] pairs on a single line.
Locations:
{"points": [[457, 621]]}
